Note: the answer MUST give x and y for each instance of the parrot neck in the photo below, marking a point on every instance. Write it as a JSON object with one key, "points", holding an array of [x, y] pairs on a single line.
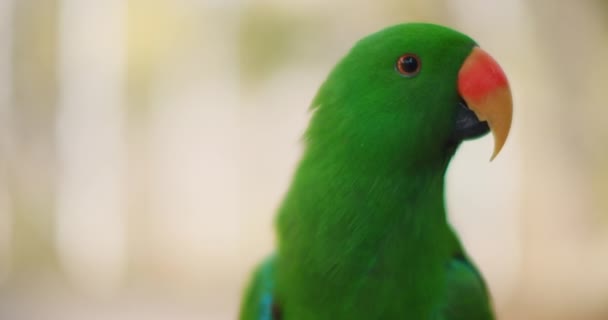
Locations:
{"points": [[351, 225]]}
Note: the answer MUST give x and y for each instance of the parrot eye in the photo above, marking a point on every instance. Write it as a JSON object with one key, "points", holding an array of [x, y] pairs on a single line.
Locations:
{"points": [[408, 65]]}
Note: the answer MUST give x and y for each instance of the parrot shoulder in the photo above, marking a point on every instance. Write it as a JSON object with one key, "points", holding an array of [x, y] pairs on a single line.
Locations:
{"points": [[466, 295], [259, 301]]}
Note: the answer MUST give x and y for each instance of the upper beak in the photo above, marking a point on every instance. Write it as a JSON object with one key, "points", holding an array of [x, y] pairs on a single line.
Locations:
{"points": [[484, 87]]}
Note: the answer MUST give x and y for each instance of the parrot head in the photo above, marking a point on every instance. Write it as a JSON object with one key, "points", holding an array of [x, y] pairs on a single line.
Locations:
{"points": [[412, 90]]}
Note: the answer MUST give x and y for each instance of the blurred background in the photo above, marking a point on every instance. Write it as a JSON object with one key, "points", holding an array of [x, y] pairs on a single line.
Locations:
{"points": [[144, 146]]}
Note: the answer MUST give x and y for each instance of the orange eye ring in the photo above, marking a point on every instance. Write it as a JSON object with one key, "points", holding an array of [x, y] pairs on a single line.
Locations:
{"points": [[408, 65]]}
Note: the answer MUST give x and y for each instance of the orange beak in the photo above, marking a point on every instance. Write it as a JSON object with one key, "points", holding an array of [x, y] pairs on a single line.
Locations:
{"points": [[484, 87]]}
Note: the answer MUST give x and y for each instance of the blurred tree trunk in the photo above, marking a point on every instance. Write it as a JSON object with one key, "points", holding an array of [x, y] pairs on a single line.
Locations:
{"points": [[6, 133], [90, 217], [31, 176]]}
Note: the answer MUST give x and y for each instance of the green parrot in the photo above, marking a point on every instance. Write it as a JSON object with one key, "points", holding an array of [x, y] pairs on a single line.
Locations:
{"points": [[362, 231]]}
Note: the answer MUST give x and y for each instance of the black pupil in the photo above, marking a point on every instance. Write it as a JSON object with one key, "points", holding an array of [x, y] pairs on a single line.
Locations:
{"points": [[409, 64]]}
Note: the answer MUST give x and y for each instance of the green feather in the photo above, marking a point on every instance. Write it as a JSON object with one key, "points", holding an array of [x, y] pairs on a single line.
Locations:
{"points": [[362, 230]]}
